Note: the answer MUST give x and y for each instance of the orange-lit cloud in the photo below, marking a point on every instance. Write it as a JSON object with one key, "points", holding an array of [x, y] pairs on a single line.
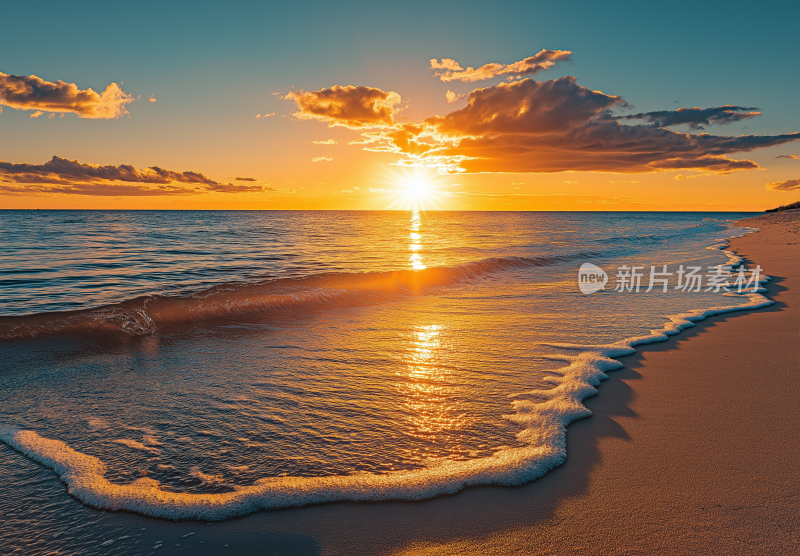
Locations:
{"points": [[557, 126], [259, 116], [453, 97], [325, 142], [786, 185], [33, 93], [695, 118], [321, 159], [351, 106], [532, 65], [152, 98], [36, 114], [60, 175], [789, 156]]}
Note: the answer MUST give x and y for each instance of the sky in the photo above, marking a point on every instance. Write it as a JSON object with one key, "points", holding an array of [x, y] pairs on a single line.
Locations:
{"points": [[451, 106]]}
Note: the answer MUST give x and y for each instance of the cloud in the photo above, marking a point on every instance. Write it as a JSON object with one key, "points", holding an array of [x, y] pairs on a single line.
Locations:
{"points": [[556, 126], [532, 65], [259, 116], [152, 98], [235, 188], [453, 98], [325, 142], [790, 156], [321, 159], [60, 175], [33, 93], [351, 106], [36, 114], [695, 118], [786, 185], [244, 179]]}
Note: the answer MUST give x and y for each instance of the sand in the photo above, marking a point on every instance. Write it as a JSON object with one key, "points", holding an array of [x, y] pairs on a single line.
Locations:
{"points": [[692, 448]]}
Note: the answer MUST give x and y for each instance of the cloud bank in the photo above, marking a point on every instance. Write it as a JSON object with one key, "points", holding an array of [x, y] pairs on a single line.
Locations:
{"points": [[352, 106], [557, 126], [786, 185], [34, 93], [60, 175], [543, 60]]}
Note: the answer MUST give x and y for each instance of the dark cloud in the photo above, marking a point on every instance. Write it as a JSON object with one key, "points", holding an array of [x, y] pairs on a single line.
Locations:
{"points": [[557, 126], [60, 175], [543, 60], [789, 156], [786, 185], [353, 107], [244, 179], [33, 93], [94, 189], [527, 107], [695, 118], [236, 188]]}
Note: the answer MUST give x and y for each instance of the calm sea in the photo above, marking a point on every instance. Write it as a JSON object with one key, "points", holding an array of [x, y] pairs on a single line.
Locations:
{"points": [[202, 365]]}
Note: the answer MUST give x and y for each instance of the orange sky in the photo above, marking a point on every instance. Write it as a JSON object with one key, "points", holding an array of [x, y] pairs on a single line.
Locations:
{"points": [[349, 124]]}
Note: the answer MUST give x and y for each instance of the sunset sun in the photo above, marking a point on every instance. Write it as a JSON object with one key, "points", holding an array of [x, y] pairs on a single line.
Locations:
{"points": [[417, 188]]}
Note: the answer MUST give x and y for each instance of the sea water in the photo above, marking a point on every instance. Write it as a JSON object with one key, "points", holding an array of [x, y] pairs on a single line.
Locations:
{"points": [[203, 365]]}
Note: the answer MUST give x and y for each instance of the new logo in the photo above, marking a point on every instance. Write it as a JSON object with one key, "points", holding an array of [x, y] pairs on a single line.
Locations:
{"points": [[591, 278]]}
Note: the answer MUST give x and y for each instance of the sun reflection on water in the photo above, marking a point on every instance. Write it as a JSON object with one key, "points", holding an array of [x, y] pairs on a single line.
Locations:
{"points": [[415, 259], [428, 387]]}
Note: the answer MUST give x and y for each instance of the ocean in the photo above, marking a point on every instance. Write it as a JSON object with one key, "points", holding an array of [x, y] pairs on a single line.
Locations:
{"points": [[205, 365]]}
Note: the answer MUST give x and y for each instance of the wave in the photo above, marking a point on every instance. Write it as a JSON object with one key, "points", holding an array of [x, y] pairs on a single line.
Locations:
{"points": [[644, 238], [242, 301], [708, 225], [542, 414]]}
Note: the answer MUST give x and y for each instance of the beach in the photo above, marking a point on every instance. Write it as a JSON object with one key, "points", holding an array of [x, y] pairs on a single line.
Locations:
{"points": [[690, 449]]}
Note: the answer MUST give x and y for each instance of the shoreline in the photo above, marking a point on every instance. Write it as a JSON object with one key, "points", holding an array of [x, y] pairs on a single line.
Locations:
{"points": [[644, 474], [588, 504]]}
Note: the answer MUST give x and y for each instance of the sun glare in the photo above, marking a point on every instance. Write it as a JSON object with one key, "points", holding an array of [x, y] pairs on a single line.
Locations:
{"points": [[417, 187], [415, 190]]}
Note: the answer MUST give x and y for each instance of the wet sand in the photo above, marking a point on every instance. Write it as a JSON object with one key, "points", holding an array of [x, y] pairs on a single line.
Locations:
{"points": [[692, 448]]}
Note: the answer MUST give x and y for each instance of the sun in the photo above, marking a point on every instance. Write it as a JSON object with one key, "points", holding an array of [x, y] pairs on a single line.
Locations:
{"points": [[417, 187], [414, 189]]}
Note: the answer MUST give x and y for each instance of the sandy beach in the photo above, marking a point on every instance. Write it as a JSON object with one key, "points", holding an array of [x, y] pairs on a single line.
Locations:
{"points": [[691, 449]]}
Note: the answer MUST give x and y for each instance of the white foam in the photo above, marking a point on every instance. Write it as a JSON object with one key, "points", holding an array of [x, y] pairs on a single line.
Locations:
{"points": [[96, 424], [543, 416], [205, 478], [136, 445]]}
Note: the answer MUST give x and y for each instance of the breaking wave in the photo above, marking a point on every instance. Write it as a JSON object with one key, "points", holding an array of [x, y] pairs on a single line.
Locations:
{"points": [[237, 301]]}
